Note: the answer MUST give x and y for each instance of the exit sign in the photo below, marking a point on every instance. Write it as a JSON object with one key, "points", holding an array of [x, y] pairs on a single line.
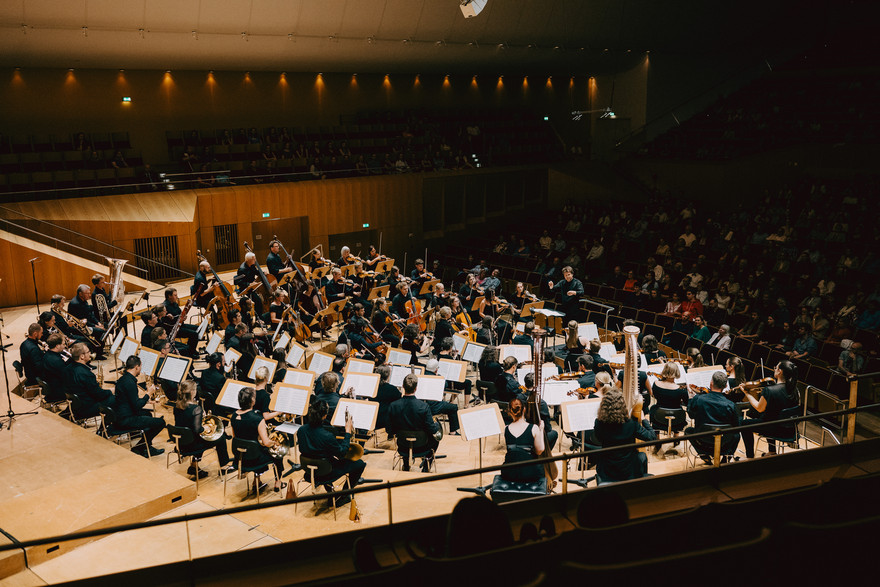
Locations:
{"points": [[366, 225], [266, 214]]}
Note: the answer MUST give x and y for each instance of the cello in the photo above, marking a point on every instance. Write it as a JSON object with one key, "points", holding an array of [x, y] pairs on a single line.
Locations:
{"points": [[222, 301], [533, 413], [263, 279]]}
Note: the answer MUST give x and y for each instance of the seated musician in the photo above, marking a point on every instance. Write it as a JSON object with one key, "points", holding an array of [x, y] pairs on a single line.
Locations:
{"points": [[80, 307], [337, 289], [356, 331], [736, 374], [653, 353], [594, 348], [409, 413], [329, 383], [386, 395], [276, 308], [163, 345], [712, 408], [99, 285], [47, 323], [419, 276], [489, 367], [201, 278], [468, 293], [442, 406], [615, 427], [585, 368], [398, 302], [31, 354], [668, 395], [132, 408], [774, 398], [317, 442], [187, 332], [243, 342], [490, 308], [526, 337], [263, 391], [543, 408], [381, 320], [446, 350], [275, 266], [82, 383], [151, 321], [415, 342], [345, 257], [393, 277], [493, 282], [53, 369], [524, 443], [520, 298], [247, 274], [506, 384], [188, 413], [443, 328], [234, 320], [250, 424], [372, 259], [211, 382], [575, 345], [440, 297], [486, 333]]}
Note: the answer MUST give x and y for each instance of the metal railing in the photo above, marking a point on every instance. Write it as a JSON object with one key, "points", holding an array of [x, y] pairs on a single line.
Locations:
{"points": [[389, 486]]}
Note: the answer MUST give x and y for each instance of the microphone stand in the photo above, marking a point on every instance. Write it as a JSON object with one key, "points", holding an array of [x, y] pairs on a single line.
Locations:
{"points": [[34, 276], [10, 413]]}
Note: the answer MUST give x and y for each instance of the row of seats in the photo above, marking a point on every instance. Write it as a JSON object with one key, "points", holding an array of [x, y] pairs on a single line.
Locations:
{"points": [[69, 180], [64, 160], [42, 143]]}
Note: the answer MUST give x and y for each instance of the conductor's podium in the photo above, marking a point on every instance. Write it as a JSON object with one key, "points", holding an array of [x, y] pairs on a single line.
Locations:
{"points": [[504, 491]]}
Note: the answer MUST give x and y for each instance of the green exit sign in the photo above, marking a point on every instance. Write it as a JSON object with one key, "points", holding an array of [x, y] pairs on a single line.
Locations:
{"points": [[366, 225], [266, 214]]}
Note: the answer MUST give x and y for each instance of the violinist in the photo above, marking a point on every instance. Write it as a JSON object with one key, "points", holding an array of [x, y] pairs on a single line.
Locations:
{"points": [[419, 276], [247, 274], [234, 320], [276, 266], [736, 373], [653, 353], [668, 395], [713, 409], [440, 297], [355, 330], [338, 288], [441, 406], [526, 337], [443, 328], [393, 278], [469, 292], [317, 262], [598, 360], [373, 258], [489, 308], [585, 368], [485, 334], [383, 322], [574, 344], [506, 384], [773, 401], [362, 283], [520, 298], [345, 257]]}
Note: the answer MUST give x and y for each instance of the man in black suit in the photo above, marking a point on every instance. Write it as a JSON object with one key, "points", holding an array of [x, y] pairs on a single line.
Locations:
{"points": [[131, 408], [82, 383], [32, 354], [54, 368], [80, 307], [150, 321], [715, 408], [568, 293], [588, 377], [409, 413], [385, 395], [526, 336], [186, 331]]}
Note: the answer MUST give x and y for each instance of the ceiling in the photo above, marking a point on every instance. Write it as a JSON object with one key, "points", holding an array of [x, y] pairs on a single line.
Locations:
{"points": [[564, 36]]}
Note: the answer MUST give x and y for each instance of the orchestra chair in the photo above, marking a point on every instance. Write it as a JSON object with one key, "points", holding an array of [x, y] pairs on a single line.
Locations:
{"points": [[503, 491], [185, 436], [486, 390], [112, 430], [248, 450], [693, 455], [73, 403], [28, 392], [412, 444], [784, 433], [668, 421], [318, 469]]}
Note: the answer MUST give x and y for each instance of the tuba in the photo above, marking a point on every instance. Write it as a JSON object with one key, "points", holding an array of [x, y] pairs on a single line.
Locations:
{"points": [[117, 288]]}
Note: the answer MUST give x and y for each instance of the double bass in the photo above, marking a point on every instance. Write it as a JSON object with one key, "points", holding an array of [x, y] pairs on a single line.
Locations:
{"points": [[266, 295], [222, 302], [533, 412]]}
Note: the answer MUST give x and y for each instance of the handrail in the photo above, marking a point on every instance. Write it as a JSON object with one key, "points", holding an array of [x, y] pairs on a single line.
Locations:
{"points": [[85, 236], [388, 486]]}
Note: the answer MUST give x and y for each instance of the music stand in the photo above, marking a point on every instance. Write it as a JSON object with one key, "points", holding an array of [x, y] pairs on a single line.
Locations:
{"points": [[476, 305], [295, 355], [476, 424], [399, 372], [384, 266], [529, 308], [578, 417], [348, 270], [362, 412], [428, 286], [320, 272], [360, 384], [270, 364], [174, 368], [300, 378], [379, 292]]}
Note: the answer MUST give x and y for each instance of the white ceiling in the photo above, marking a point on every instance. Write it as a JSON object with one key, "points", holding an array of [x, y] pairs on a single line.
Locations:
{"points": [[368, 35]]}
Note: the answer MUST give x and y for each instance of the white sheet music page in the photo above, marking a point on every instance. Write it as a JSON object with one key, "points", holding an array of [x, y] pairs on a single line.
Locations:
{"points": [[430, 388], [548, 370], [398, 356], [458, 342], [479, 423], [702, 376], [282, 341], [228, 397], [452, 370], [473, 351], [607, 351], [117, 341], [398, 372], [358, 366], [291, 399], [288, 427], [522, 352], [296, 354], [149, 358], [556, 392], [589, 330], [321, 362], [129, 348], [270, 364], [214, 343], [363, 412], [174, 369], [363, 384], [229, 357], [203, 327], [547, 312], [581, 414], [300, 378]]}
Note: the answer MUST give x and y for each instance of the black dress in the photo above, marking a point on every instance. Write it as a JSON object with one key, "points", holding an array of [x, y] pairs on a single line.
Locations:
{"points": [[192, 418], [246, 427], [520, 449], [670, 399]]}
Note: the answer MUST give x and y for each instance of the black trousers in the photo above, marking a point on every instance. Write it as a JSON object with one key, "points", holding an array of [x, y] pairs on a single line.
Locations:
{"points": [[150, 425]]}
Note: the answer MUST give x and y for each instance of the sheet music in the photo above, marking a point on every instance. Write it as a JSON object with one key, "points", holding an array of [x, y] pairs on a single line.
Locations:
{"points": [[607, 351], [556, 392], [300, 377], [229, 394], [588, 330], [117, 341], [213, 343], [547, 312], [229, 357], [203, 328], [296, 354], [430, 388], [480, 423], [321, 362], [174, 369], [658, 368], [452, 370], [288, 427], [398, 356], [702, 376], [282, 341], [522, 352], [358, 366], [291, 399], [270, 364], [398, 372], [458, 343], [129, 348], [364, 384], [473, 351], [548, 370], [581, 414], [520, 328], [277, 330], [149, 358], [362, 412]]}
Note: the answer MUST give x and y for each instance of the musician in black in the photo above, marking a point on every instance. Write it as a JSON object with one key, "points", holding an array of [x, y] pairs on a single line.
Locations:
{"points": [[372, 259], [568, 293], [82, 383], [72, 334], [317, 442], [188, 413], [419, 276], [247, 274], [443, 328], [201, 279], [211, 382], [338, 288], [276, 267], [543, 408], [151, 321], [250, 424], [276, 308], [526, 336], [131, 408], [345, 257], [468, 293], [234, 320], [446, 350], [440, 296], [409, 413], [386, 395], [355, 330], [32, 354], [243, 342], [53, 369], [381, 320], [441, 406], [485, 333], [506, 384], [398, 303], [80, 307], [186, 331], [393, 277], [98, 285]]}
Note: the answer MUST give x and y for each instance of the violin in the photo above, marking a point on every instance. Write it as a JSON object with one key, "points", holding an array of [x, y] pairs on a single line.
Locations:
{"points": [[582, 392], [567, 376], [754, 387]]}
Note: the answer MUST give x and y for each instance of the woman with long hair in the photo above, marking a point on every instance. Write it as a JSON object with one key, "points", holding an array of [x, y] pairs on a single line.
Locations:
{"points": [[525, 442], [774, 399], [615, 427], [188, 413]]}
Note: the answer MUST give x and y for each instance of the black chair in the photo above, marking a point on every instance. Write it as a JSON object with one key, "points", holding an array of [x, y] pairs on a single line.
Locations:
{"points": [[251, 451], [412, 444], [732, 439], [184, 436], [486, 389], [676, 340], [667, 322], [317, 469], [112, 430], [783, 433], [503, 491], [654, 330], [668, 420], [741, 347]]}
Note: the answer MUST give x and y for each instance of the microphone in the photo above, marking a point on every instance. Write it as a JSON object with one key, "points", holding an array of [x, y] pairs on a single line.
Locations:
{"points": [[34, 260]]}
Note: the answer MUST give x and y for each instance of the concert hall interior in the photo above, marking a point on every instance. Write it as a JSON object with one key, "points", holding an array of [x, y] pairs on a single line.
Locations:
{"points": [[370, 291]]}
